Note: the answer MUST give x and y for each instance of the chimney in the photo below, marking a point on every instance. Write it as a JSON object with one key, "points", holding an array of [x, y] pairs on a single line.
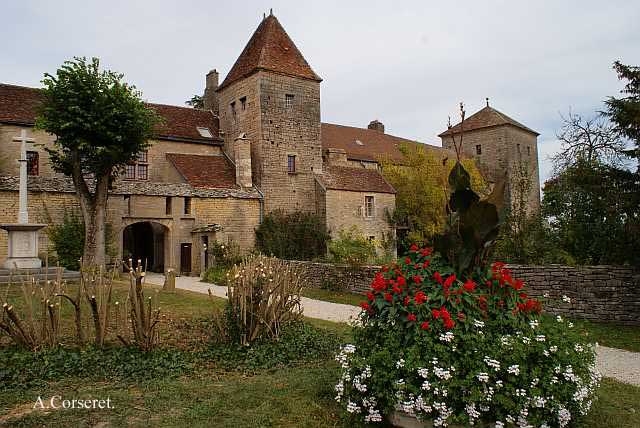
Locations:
{"points": [[376, 125], [335, 157], [210, 95], [242, 155]]}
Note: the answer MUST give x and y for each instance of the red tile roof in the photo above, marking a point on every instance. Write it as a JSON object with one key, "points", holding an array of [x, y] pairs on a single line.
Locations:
{"points": [[485, 118], [365, 144], [19, 105], [213, 172], [354, 179], [270, 48]]}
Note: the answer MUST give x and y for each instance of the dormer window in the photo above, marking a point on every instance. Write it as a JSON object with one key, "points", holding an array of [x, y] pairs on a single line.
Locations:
{"points": [[204, 132], [288, 101]]}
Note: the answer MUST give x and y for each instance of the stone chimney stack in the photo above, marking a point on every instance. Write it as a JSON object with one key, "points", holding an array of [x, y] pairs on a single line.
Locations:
{"points": [[210, 95], [376, 125], [335, 157], [242, 154]]}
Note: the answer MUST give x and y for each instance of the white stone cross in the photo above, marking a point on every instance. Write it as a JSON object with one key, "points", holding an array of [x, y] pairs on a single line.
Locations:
{"points": [[23, 215]]}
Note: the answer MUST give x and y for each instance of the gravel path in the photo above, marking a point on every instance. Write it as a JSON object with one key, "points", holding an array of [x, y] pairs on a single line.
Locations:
{"points": [[615, 363]]}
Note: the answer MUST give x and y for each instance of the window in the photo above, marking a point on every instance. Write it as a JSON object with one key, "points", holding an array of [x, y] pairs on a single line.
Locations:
{"points": [[233, 110], [127, 204], [167, 206], [243, 103], [478, 149], [291, 164], [187, 205], [139, 169], [529, 150], [369, 208], [288, 101], [518, 148], [33, 168]]}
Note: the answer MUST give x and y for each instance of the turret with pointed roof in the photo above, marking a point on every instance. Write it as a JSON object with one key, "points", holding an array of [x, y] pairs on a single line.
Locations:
{"points": [[271, 95]]}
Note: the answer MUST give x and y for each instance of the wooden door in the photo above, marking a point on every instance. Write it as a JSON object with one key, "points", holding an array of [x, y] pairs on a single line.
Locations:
{"points": [[185, 259]]}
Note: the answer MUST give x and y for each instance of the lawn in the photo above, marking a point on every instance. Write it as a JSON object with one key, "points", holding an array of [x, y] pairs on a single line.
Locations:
{"points": [[192, 383]]}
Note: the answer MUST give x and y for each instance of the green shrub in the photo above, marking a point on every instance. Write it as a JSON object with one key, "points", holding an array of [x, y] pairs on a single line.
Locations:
{"points": [[68, 240], [469, 352], [215, 275], [352, 248], [295, 236]]}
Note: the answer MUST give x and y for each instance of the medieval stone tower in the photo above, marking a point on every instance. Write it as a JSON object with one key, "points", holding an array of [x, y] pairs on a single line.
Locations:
{"points": [[502, 147], [269, 107]]}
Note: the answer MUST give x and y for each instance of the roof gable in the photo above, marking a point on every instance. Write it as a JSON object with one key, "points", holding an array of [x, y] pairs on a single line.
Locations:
{"points": [[270, 48], [485, 118], [19, 105], [213, 172]]}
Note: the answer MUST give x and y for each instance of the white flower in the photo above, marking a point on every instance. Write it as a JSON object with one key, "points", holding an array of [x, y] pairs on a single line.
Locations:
{"points": [[442, 373], [349, 349], [539, 401], [514, 370], [483, 377], [492, 363], [564, 416], [559, 318], [570, 324], [521, 393], [472, 411], [553, 349], [353, 407], [373, 416], [426, 385], [534, 324], [478, 323], [540, 338], [423, 372], [400, 363], [447, 337], [566, 299], [578, 348], [526, 340], [499, 424]]}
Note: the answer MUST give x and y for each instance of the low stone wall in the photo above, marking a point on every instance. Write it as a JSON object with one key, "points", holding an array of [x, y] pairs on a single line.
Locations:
{"points": [[602, 293]]}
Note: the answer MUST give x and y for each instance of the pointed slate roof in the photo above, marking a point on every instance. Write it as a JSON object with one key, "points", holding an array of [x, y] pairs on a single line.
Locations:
{"points": [[485, 118], [270, 48]]}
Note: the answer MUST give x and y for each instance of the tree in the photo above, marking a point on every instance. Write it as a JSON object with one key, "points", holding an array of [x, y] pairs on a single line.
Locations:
{"points": [[196, 101], [625, 112], [293, 236], [593, 139], [421, 183], [100, 124]]}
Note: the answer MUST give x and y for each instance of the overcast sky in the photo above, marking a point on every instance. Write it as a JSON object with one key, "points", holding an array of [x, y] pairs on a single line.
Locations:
{"points": [[406, 63]]}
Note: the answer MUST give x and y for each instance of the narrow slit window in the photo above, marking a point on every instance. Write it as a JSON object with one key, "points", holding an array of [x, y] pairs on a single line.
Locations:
{"points": [[167, 206], [243, 103], [187, 205], [233, 110], [478, 149], [291, 164], [127, 204]]}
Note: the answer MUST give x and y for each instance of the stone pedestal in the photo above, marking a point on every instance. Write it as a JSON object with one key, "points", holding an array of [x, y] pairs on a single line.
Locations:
{"points": [[23, 245]]}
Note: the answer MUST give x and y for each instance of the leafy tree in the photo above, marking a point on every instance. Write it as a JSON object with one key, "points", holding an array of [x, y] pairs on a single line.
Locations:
{"points": [[421, 183], [595, 211], [197, 101], [294, 236], [101, 124], [625, 112]]}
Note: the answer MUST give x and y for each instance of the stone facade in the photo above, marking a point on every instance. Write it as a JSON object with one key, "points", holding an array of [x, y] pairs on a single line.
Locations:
{"points": [[598, 293]]}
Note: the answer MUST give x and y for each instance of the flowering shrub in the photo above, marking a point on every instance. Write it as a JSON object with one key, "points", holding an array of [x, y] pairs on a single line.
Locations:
{"points": [[466, 351]]}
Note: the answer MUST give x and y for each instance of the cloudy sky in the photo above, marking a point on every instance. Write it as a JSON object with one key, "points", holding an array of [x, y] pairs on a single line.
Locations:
{"points": [[406, 63]]}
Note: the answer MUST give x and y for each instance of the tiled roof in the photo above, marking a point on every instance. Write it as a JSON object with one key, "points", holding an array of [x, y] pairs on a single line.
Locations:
{"points": [[485, 118], [19, 104], [365, 144], [65, 185], [354, 179], [213, 172], [270, 48]]}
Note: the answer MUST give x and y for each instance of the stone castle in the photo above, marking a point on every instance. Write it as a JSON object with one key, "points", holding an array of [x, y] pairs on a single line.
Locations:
{"points": [[258, 145]]}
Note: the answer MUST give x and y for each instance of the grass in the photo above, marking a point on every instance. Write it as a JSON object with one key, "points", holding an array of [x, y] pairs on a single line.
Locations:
{"points": [[343, 297]]}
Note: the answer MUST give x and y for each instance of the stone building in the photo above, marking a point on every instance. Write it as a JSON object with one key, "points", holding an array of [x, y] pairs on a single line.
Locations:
{"points": [[257, 146]]}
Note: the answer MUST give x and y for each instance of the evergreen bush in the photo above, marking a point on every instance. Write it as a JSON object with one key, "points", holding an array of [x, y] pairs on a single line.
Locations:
{"points": [[294, 236]]}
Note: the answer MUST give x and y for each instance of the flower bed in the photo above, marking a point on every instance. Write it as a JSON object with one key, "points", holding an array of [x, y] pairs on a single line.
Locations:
{"points": [[469, 352]]}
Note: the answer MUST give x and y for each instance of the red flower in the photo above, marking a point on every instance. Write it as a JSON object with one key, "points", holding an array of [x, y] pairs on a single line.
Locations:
{"points": [[518, 284], [413, 248], [469, 286], [444, 313], [417, 266], [379, 283], [417, 279], [407, 261], [385, 268], [523, 295], [449, 323], [437, 277], [426, 252], [370, 296], [411, 317], [435, 313], [420, 298], [424, 325], [401, 281], [364, 305], [406, 301], [449, 281], [388, 297], [426, 264], [396, 289], [461, 316]]}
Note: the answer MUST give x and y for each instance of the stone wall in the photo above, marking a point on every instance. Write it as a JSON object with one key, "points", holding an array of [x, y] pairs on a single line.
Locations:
{"points": [[599, 293]]}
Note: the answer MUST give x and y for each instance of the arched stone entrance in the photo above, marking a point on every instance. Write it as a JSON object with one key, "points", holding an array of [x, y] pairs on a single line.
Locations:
{"points": [[146, 241]]}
